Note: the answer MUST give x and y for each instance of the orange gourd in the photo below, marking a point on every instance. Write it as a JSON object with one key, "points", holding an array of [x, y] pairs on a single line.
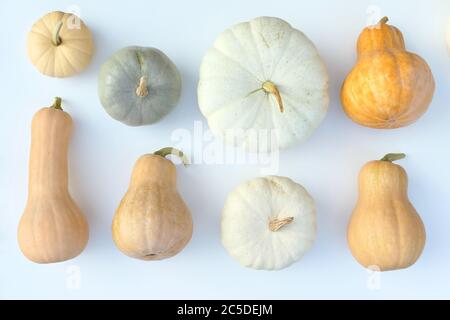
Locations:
{"points": [[152, 221], [385, 232], [389, 87]]}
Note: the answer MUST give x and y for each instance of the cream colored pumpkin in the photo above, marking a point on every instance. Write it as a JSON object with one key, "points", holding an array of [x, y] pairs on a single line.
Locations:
{"points": [[268, 223], [60, 45], [263, 85]]}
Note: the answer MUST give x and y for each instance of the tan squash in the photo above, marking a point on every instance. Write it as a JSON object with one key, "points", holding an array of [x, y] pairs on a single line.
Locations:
{"points": [[60, 45], [152, 221], [52, 228], [385, 231], [389, 87]]}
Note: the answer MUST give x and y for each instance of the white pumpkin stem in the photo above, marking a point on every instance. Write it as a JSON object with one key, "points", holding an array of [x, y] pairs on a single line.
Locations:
{"points": [[57, 103], [56, 39], [391, 157], [277, 224], [269, 87], [142, 90], [164, 152]]}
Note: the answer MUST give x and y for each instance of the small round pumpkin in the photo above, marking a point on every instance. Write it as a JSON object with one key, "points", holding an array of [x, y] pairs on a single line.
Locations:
{"points": [[389, 87], [263, 85], [60, 45], [139, 86], [268, 223]]}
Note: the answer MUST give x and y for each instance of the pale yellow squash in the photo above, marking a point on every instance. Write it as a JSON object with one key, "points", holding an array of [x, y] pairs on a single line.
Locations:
{"points": [[60, 45]]}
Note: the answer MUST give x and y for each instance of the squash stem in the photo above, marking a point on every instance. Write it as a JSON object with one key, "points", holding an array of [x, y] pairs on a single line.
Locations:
{"points": [[57, 103], [164, 152], [56, 39], [269, 87], [142, 90], [391, 157], [383, 20], [277, 224]]}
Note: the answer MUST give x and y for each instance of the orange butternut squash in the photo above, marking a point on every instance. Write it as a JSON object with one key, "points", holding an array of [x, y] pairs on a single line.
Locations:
{"points": [[389, 87], [385, 232], [52, 227], [152, 221]]}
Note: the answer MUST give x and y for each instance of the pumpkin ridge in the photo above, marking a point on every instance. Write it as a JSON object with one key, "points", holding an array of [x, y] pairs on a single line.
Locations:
{"points": [[259, 63], [125, 71], [257, 49], [40, 33], [43, 54], [46, 25], [236, 63], [367, 114], [231, 31], [66, 45], [282, 54], [69, 65], [297, 111]]}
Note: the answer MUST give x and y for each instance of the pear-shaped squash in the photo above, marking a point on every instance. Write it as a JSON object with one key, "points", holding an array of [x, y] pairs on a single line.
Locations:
{"points": [[52, 228], [60, 45], [152, 221], [385, 231], [389, 87]]}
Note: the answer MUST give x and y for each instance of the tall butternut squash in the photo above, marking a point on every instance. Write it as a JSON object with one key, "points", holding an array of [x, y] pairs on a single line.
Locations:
{"points": [[52, 228]]}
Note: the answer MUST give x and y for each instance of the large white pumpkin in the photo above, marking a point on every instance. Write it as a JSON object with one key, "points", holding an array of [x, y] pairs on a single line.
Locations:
{"points": [[268, 223], [263, 79]]}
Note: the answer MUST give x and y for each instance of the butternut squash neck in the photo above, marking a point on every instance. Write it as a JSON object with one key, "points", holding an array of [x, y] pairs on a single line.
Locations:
{"points": [[155, 168], [380, 37], [51, 130], [382, 179]]}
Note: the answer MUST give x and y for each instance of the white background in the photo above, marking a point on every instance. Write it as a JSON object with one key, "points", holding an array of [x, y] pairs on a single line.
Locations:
{"points": [[103, 152]]}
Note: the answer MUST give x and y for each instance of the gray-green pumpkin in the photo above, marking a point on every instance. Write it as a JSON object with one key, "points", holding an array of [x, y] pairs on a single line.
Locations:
{"points": [[139, 86]]}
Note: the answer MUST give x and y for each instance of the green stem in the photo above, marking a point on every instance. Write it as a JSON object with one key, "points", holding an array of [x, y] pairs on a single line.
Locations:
{"points": [[164, 152], [56, 39], [57, 103], [391, 157]]}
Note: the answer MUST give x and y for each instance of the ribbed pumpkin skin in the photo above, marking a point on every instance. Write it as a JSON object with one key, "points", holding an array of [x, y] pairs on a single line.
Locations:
{"points": [[389, 87], [52, 228], [66, 59], [152, 221], [385, 230]]}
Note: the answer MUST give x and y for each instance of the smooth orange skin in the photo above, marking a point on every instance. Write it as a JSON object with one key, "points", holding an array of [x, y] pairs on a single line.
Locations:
{"points": [[52, 227], [152, 221], [389, 87], [385, 232]]}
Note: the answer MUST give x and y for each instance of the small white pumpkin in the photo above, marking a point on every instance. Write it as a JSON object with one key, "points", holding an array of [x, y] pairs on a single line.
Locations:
{"points": [[139, 85], [268, 223], [263, 85], [60, 45]]}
